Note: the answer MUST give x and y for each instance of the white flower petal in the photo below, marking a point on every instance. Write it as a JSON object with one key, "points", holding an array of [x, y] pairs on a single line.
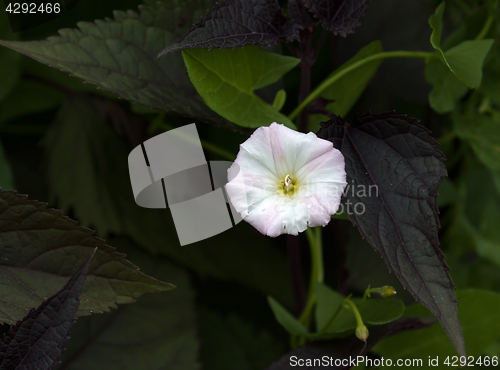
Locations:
{"points": [[329, 166], [265, 159], [245, 191]]}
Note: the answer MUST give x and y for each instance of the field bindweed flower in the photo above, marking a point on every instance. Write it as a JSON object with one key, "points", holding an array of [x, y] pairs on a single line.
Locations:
{"points": [[284, 181]]}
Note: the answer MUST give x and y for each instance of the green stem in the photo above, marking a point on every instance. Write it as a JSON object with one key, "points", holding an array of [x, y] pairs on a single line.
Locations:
{"points": [[332, 79], [158, 124], [354, 309], [486, 27], [215, 149], [317, 271], [367, 293], [317, 275]]}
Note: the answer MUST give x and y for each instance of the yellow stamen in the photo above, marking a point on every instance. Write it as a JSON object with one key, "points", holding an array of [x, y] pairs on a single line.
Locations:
{"points": [[287, 186]]}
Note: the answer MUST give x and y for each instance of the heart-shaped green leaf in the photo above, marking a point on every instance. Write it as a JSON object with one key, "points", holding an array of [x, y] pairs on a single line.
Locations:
{"points": [[286, 319], [346, 91], [466, 59], [332, 317], [226, 80], [478, 315]]}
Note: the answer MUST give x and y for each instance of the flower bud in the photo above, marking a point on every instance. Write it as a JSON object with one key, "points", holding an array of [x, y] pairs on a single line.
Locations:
{"points": [[387, 291], [362, 333]]}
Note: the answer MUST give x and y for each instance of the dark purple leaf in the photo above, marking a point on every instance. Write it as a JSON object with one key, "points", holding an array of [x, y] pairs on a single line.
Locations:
{"points": [[119, 55], [236, 23], [37, 342], [349, 348], [339, 16], [393, 169], [300, 15], [40, 249]]}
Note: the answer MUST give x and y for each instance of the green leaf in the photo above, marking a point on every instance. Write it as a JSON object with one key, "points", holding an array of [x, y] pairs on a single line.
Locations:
{"points": [[332, 317], [226, 79], [84, 153], [38, 341], [229, 342], [436, 23], [286, 319], [157, 332], [483, 134], [279, 100], [119, 55], [328, 305], [6, 179], [476, 274], [345, 351], [447, 88], [466, 59], [476, 223], [468, 29], [479, 319], [491, 79], [487, 238], [346, 91], [40, 249]]}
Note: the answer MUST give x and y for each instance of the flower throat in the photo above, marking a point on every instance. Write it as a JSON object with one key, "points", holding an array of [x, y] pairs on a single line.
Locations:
{"points": [[287, 186]]}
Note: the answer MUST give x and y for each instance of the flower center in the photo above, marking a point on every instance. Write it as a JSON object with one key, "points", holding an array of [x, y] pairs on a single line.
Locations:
{"points": [[287, 186]]}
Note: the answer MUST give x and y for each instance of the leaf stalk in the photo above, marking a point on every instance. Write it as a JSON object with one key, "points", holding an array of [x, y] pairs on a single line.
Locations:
{"points": [[332, 79], [317, 276]]}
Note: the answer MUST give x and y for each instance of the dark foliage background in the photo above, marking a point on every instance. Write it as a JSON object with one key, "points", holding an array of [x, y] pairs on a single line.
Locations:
{"points": [[67, 143]]}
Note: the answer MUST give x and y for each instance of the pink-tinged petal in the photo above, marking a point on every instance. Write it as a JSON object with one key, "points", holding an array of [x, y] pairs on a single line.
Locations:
{"points": [[328, 167], [316, 211], [265, 216], [256, 154], [322, 198], [275, 216], [247, 188], [296, 148]]}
